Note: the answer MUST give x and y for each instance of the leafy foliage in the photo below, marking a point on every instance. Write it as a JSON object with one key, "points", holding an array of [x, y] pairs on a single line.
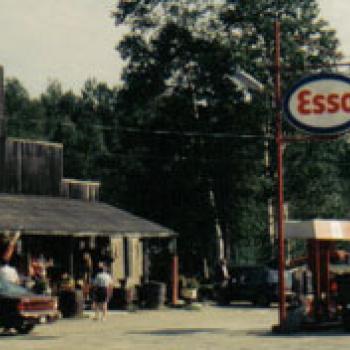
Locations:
{"points": [[315, 180], [26, 115]]}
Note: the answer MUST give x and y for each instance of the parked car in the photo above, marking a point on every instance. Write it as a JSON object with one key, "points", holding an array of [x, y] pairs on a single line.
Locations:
{"points": [[23, 310], [256, 284]]}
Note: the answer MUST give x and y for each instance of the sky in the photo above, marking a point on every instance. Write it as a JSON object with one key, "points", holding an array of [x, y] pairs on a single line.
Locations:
{"points": [[68, 40], [73, 40]]}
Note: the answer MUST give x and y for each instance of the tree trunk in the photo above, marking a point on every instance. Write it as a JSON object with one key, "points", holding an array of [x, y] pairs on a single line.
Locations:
{"points": [[220, 244]]}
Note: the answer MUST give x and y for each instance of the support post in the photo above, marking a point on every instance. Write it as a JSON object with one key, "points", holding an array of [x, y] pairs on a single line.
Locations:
{"points": [[175, 275], [71, 256], [317, 271], [327, 263], [325, 247], [317, 277], [279, 144], [146, 261]]}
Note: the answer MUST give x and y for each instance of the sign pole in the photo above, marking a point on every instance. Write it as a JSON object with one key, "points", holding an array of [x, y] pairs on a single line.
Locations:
{"points": [[279, 144]]}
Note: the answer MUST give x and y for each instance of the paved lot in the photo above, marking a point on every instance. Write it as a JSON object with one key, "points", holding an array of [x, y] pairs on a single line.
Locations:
{"points": [[235, 327]]}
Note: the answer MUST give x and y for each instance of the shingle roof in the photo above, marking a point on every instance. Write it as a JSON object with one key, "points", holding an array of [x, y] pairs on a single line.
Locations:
{"points": [[61, 216]]}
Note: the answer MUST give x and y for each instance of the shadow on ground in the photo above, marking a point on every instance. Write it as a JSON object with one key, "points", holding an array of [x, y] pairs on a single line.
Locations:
{"points": [[245, 306], [189, 331], [299, 334], [27, 337], [237, 332]]}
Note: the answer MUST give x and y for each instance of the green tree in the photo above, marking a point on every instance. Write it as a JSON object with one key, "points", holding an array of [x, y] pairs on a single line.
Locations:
{"points": [[178, 54], [82, 123], [24, 115], [316, 182]]}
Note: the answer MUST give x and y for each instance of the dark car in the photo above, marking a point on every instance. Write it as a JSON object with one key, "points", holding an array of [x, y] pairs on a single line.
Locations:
{"points": [[22, 310], [256, 284]]}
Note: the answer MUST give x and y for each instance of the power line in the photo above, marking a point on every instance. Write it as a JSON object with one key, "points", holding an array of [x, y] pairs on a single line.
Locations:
{"points": [[196, 134], [216, 135], [178, 158]]}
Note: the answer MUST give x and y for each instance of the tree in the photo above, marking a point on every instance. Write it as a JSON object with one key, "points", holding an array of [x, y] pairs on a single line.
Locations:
{"points": [[82, 123], [178, 55], [25, 116], [316, 182]]}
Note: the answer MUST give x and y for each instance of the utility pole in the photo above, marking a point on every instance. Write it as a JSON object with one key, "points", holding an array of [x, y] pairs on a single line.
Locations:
{"points": [[279, 144]]}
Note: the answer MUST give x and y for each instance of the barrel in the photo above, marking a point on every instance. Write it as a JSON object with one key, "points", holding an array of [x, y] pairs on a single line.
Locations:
{"points": [[122, 298], [154, 294], [71, 303]]}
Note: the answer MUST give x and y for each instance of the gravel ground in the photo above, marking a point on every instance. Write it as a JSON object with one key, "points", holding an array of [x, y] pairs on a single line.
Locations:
{"points": [[235, 327]]}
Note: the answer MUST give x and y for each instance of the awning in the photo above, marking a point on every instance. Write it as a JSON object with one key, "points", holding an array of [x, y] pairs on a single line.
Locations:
{"points": [[318, 229], [42, 215]]}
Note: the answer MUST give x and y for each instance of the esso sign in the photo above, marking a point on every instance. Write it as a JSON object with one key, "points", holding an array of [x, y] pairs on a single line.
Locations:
{"points": [[320, 104]]}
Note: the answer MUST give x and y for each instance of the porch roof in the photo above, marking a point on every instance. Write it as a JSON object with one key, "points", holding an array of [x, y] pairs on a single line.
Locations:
{"points": [[42, 215]]}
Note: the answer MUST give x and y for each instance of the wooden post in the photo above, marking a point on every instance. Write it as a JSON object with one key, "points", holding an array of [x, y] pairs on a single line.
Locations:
{"points": [[174, 273], [146, 261], [71, 256], [175, 280]]}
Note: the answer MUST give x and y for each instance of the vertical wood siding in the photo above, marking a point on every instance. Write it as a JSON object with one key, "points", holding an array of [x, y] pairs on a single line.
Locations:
{"points": [[32, 167], [77, 189]]}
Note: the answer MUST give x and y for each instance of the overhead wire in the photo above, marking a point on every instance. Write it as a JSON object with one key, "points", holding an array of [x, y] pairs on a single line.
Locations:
{"points": [[170, 132]]}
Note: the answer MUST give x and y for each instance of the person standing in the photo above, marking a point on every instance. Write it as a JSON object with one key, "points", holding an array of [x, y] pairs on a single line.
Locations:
{"points": [[102, 291], [8, 273]]}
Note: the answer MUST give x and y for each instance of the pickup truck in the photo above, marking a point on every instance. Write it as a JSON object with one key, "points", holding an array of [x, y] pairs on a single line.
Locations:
{"points": [[256, 284]]}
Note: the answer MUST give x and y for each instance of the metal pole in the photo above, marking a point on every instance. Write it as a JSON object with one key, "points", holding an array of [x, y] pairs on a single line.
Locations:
{"points": [[317, 273], [279, 144]]}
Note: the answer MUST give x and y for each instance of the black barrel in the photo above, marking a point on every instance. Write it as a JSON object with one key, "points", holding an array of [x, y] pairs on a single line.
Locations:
{"points": [[71, 303], [154, 294]]}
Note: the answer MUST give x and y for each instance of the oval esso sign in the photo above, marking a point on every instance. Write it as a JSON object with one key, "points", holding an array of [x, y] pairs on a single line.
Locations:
{"points": [[320, 104]]}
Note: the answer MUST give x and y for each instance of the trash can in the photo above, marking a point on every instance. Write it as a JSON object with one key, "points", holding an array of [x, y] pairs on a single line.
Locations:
{"points": [[71, 303], [154, 294]]}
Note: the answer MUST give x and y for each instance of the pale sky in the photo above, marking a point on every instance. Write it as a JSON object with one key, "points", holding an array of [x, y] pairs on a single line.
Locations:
{"points": [[68, 40], [72, 40]]}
